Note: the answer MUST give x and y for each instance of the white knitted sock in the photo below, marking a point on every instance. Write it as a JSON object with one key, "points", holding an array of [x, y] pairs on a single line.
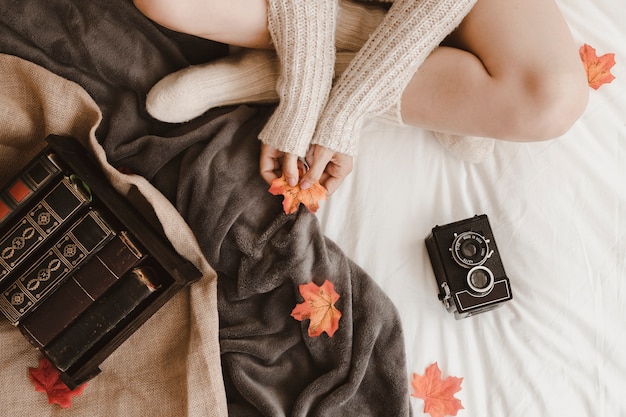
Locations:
{"points": [[250, 75], [355, 24], [468, 148], [471, 149], [376, 78]]}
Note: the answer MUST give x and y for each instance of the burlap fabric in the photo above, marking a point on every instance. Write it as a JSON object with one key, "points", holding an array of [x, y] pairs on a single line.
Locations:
{"points": [[171, 366]]}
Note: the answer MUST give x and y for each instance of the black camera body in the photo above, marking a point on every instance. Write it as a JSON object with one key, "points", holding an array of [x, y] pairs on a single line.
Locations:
{"points": [[467, 265]]}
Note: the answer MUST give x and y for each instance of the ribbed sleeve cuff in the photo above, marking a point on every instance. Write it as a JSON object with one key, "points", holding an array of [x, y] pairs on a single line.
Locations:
{"points": [[378, 75], [303, 33]]}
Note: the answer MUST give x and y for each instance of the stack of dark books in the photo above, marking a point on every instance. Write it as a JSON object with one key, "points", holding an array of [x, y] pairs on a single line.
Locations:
{"points": [[81, 268]]}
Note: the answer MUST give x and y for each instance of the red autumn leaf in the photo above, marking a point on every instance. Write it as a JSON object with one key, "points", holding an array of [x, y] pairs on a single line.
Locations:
{"points": [[437, 393], [46, 379], [598, 68], [319, 307], [294, 195]]}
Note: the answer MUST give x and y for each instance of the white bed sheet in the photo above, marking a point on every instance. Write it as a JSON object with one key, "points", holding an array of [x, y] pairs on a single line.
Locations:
{"points": [[558, 212]]}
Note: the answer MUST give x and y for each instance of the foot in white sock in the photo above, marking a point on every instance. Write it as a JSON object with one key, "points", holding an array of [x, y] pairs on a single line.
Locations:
{"points": [[248, 76], [469, 148]]}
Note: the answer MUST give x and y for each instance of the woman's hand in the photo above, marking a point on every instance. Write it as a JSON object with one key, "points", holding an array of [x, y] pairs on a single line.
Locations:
{"points": [[275, 163], [326, 166]]}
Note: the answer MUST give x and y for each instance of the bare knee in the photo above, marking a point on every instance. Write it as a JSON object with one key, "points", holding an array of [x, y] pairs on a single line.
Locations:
{"points": [[547, 105]]}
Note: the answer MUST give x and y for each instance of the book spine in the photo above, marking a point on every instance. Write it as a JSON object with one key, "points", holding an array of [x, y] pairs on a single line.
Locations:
{"points": [[98, 322], [50, 270], [39, 224], [32, 179], [85, 286]]}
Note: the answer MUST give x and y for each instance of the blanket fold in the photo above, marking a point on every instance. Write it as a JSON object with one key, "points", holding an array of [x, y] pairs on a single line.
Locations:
{"points": [[208, 170], [271, 366]]}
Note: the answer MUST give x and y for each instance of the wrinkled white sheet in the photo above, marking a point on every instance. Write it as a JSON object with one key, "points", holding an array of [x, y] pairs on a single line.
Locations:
{"points": [[558, 212]]}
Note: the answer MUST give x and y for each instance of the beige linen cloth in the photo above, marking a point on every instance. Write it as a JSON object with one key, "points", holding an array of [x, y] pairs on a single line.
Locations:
{"points": [[171, 365]]}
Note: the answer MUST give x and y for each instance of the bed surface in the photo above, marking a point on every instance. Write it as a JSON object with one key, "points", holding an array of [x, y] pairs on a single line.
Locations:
{"points": [[558, 214]]}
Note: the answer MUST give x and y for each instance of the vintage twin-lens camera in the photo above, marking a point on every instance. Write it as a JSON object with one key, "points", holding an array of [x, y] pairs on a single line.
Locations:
{"points": [[468, 268]]}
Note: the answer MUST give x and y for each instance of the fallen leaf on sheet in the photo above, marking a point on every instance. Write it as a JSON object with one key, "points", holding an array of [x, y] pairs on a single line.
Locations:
{"points": [[294, 195], [46, 379], [319, 307], [437, 393], [598, 68]]}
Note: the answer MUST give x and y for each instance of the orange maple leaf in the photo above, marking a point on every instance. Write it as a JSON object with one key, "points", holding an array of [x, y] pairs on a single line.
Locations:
{"points": [[294, 195], [598, 68], [319, 307], [437, 393], [46, 379]]}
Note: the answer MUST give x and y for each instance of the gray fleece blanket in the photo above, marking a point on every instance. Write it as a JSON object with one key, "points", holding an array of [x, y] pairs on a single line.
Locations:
{"points": [[209, 169]]}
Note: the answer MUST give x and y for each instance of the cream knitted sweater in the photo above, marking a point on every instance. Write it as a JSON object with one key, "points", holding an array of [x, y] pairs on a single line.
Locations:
{"points": [[311, 109]]}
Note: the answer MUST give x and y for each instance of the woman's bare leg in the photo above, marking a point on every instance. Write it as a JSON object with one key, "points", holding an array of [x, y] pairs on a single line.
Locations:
{"points": [[511, 71], [234, 22]]}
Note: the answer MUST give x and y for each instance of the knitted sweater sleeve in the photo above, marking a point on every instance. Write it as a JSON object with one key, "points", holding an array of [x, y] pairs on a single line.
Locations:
{"points": [[379, 73], [303, 33]]}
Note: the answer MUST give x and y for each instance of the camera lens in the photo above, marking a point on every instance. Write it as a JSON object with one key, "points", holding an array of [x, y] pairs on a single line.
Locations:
{"points": [[480, 280], [470, 249]]}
